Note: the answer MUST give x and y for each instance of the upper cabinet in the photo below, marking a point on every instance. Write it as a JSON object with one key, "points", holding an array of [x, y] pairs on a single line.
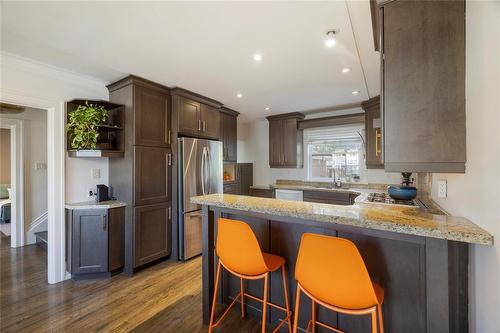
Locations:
{"points": [[423, 85], [286, 141], [147, 116], [373, 133], [195, 115], [228, 126]]}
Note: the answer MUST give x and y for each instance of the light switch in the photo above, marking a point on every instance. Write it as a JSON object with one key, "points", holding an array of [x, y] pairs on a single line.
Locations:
{"points": [[442, 188], [95, 173], [40, 166]]}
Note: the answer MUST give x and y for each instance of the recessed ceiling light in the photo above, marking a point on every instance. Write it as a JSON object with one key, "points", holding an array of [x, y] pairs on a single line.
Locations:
{"points": [[268, 108], [355, 92], [330, 40], [239, 95], [346, 70], [257, 57]]}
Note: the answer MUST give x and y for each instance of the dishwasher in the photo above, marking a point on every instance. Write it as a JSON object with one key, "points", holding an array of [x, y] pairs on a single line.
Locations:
{"points": [[292, 195]]}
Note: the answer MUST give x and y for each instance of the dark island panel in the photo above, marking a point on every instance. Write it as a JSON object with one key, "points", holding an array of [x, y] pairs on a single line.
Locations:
{"points": [[425, 279]]}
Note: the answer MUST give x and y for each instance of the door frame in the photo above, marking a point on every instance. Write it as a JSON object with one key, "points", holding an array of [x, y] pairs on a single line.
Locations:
{"points": [[56, 150], [17, 159]]}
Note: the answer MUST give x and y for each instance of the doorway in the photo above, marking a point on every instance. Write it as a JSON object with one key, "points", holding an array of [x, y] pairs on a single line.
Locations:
{"points": [[23, 174]]}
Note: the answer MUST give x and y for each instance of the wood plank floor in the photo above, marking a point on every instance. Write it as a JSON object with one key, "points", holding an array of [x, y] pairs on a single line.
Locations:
{"points": [[163, 298]]}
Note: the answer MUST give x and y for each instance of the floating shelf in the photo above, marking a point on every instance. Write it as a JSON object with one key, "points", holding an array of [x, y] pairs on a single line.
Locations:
{"points": [[95, 153], [112, 132]]}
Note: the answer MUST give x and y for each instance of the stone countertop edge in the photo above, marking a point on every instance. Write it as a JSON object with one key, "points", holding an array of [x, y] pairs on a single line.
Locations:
{"points": [[397, 219], [95, 205]]}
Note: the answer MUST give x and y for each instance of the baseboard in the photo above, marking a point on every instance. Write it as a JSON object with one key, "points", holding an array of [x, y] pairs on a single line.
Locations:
{"points": [[39, 224]]}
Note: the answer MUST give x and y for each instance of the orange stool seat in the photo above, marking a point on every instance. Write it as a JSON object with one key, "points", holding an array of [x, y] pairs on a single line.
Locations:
{"points": [[240, 254], [332, 273]]}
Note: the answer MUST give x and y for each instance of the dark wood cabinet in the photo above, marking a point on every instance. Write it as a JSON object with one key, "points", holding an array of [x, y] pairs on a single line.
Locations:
{"points": [[152, 233], [195, 115], [232, 188], [210, 121], [423, 85], [151, 117], [373, 133], [95, 240], [143, 177], [329, 197], [228, 126], [245, 177], [286, 141], [261, 192], [153, 169]]}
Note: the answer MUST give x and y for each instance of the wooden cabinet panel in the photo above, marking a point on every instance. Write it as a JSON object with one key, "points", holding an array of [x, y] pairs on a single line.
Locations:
{"points": [[263, 193], [89, 246], [373, 133], [275, 143], [152, 175], [285, 141], [151, 117], [210, 122], [116, 237], [152, 236], [231, 188], [229, 136], [423, 92], [189, 116], [332, 198], [245, 177]]}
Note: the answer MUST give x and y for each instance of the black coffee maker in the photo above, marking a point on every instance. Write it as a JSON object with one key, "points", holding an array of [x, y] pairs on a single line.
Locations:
{"points": [[103, 193]]}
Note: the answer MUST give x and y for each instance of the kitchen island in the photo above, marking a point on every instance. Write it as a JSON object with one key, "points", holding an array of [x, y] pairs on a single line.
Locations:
{"points": [[420, 259]]}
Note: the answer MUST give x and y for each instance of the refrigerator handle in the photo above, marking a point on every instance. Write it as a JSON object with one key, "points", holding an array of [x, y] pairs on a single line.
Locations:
{"points": [[202, 176], [209, 171]]}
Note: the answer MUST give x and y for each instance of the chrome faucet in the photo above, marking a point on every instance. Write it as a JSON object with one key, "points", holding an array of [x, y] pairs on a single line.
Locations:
{"points": [[335, 182]]}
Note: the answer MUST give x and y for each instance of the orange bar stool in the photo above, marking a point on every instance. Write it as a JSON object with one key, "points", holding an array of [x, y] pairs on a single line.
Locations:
{"points": [[240, 254], [332, 273]]}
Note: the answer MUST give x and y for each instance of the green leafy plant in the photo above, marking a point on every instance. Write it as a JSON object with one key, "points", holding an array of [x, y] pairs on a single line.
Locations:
{"points": [[83, 124]]}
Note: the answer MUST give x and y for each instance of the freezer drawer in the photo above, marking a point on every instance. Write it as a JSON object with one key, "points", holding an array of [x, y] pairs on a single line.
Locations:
{"points": [[192, 235]]}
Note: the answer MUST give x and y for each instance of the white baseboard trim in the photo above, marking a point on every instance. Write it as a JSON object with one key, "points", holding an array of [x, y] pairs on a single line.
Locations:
{"points": [[39, 224]]}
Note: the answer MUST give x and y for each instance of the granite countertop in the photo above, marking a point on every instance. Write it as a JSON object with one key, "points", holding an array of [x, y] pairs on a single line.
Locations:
{"points": [[95, 205], [392, 218]]}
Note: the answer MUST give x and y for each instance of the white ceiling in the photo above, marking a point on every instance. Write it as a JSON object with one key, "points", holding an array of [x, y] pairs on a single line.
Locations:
{"points": [[208, 47]]}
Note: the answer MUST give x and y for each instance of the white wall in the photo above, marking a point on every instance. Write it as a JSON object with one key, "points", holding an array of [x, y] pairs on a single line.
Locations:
{"points": [[35, 145], [253, 146], [30, 83], [476, 194]]}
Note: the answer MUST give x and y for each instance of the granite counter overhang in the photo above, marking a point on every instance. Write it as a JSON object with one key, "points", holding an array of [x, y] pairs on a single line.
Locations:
{"points": [[384, 218], [109, 204]]}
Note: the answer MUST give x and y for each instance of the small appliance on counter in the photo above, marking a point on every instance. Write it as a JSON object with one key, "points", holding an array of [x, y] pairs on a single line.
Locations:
{"points": [[405, 191], [104, 193]]}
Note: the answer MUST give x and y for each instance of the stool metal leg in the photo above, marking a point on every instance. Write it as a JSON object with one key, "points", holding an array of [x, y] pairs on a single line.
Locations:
{"points": [[264, 305], [287, 304], [313, 316], [296, 313], [242, 299], [380, 318], [215, 298]]}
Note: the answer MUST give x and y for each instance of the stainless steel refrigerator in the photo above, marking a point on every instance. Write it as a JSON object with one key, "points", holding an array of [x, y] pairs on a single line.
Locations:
{"points": [[199, 173]]}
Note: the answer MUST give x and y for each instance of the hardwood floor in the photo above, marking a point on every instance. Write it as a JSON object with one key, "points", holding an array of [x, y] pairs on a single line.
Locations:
{"points": [[163, 298]]}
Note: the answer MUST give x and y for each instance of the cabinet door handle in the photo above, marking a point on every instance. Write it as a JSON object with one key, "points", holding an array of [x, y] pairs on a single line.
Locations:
{"points": [[104, 222], [169, 213], [199, 125], [169, 159], [168, 136], [378, 135], [204, 126]]}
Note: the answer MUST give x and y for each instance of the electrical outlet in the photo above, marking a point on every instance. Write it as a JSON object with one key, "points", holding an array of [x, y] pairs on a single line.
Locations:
{"points": [[95, 173], [442, 189], [91, 193]]}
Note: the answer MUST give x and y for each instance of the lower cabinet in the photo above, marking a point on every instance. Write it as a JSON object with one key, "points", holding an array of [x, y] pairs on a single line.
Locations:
{"points": [[260, 192], [95, 240], [330, 197], [152, 236]]}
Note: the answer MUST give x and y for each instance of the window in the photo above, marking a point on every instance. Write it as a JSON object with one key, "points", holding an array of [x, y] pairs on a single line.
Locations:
{"points": [[334, 151]]}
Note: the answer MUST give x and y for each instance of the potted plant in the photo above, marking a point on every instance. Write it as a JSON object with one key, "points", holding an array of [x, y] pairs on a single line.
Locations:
{"points": [[83, 125]]}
